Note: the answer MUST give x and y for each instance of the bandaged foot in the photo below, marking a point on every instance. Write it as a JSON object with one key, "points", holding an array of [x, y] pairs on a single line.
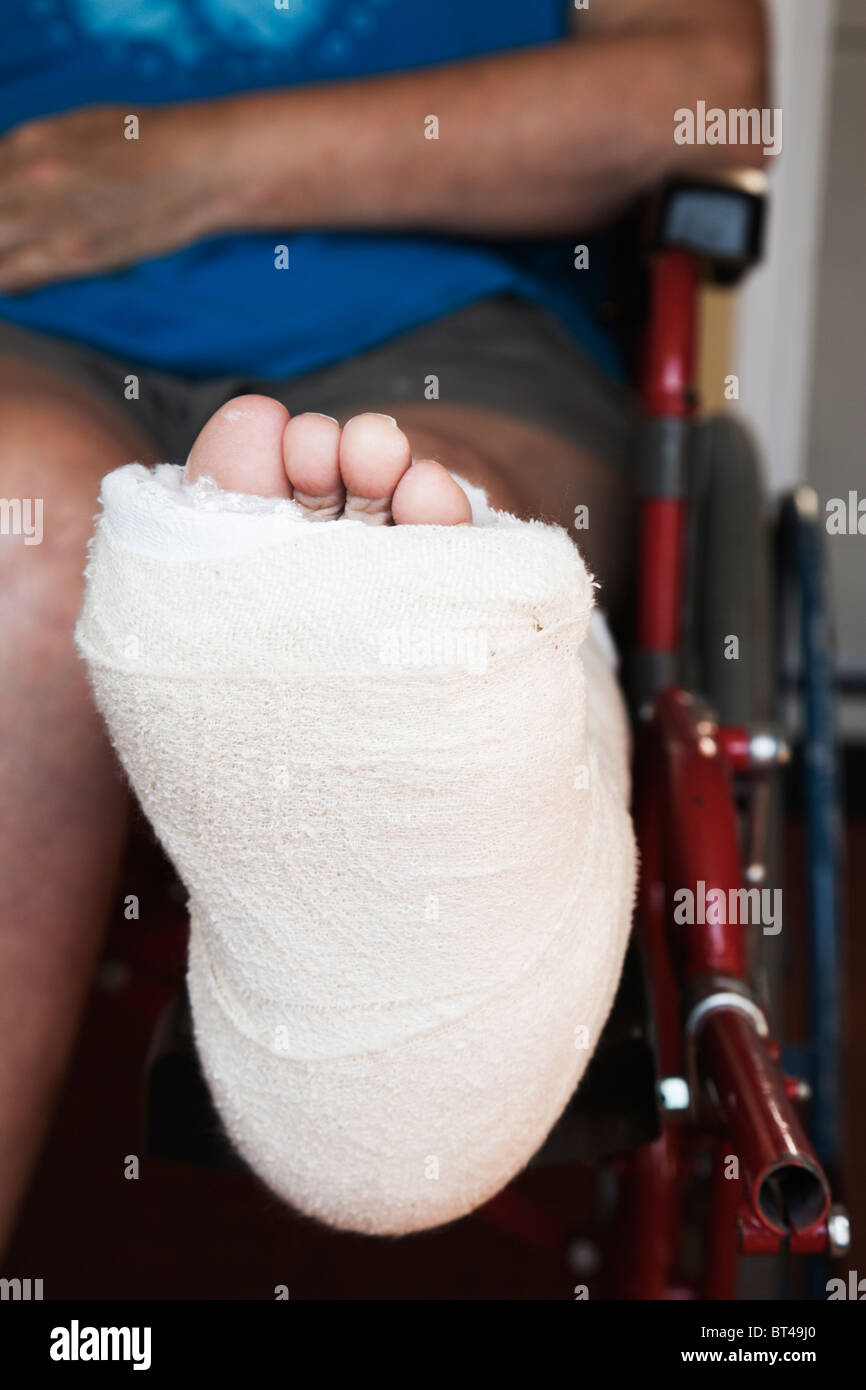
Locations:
{"points": [[389, 763]]}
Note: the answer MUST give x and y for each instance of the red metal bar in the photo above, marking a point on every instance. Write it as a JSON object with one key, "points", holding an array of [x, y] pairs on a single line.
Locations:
{"points": [[669, 360], [721, 1253], [785, 1185], [662, 530], [652, 918], [703, 840], [667, 394], [641, 1258], [647, 1232]]}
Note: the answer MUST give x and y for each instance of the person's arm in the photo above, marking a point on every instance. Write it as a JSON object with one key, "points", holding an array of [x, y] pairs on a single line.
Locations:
{"points": [[537, 141], [534, 141]]}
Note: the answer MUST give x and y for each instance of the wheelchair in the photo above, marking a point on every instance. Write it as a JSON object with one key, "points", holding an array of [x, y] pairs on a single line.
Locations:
{"points": [[687, 1110]]}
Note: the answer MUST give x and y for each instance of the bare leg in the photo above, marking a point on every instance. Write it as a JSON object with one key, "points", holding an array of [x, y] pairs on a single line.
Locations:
{"points": [[62, 799]]}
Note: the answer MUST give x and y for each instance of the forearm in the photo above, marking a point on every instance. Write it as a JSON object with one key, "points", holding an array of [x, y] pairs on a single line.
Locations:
{"points": [[536, 142]]}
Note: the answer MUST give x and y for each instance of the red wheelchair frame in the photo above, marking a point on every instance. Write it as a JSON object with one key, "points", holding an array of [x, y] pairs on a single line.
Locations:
{"points": [[715, 1057], [710, 1029]]}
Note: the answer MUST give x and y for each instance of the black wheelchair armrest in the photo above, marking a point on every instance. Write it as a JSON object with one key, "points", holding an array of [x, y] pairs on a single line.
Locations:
{"points": [[720, 219]]}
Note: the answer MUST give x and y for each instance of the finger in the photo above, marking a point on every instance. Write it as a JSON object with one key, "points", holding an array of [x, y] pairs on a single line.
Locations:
{"points": [[21, 141], [17, 229], [60, 257], [28, 267]]}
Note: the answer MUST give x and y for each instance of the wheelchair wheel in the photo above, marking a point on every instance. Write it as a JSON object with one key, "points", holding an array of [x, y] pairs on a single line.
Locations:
{"points": [[730, 569]]}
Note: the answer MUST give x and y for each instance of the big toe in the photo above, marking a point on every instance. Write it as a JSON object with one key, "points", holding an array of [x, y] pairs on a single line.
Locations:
{"points": [[241, 448]]}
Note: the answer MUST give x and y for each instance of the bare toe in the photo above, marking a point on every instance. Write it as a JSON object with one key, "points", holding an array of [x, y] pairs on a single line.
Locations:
{"points": [[311, 453], [241, 448], [374, 455], [427, 495]]}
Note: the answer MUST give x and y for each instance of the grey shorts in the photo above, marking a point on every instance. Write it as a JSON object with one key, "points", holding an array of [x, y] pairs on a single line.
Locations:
{"points": [[503, 354]]}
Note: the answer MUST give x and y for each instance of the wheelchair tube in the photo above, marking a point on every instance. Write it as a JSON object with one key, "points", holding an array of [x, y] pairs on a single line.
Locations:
{"points": [[786, 1185]]}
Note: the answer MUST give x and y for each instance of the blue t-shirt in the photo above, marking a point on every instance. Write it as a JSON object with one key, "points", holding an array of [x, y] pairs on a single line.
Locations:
{"points": [[223, 305]]}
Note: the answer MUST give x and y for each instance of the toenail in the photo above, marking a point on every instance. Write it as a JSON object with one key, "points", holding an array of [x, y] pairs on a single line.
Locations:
{"points": [[380, 416], [321, 416]]}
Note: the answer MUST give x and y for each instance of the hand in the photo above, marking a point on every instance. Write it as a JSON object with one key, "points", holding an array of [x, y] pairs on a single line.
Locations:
{"points": [[77, 197]]}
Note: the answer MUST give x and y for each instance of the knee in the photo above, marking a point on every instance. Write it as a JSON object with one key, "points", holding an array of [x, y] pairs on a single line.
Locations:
{"points": [[54, 451], [56, 443]]}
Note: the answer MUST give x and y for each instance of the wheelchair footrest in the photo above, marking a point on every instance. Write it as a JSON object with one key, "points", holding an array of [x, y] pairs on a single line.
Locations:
{"points": [[181, 1122], [614, 1109]]}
